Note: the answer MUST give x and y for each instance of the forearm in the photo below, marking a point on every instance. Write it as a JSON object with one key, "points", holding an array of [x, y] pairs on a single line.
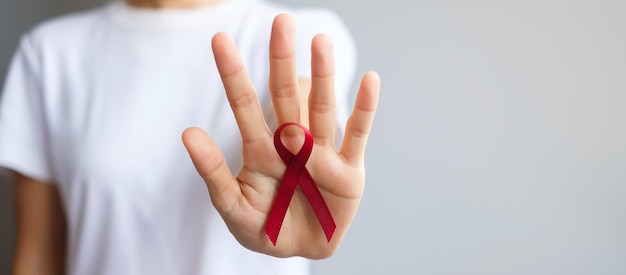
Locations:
{"points": [[40, 245]]}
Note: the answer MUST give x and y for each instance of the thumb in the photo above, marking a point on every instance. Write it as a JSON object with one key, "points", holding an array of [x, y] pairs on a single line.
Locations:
{"points": [[211, 165]]}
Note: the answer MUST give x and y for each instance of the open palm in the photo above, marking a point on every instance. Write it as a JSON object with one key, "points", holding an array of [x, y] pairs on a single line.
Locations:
{"points": [[244, 201]]}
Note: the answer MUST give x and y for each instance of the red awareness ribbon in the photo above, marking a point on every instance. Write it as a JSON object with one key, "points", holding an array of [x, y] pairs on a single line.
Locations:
{"points": [[295, 174]]}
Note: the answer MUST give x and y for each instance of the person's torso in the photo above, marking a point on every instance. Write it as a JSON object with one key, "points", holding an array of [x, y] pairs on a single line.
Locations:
{"points": [[119, 91]]}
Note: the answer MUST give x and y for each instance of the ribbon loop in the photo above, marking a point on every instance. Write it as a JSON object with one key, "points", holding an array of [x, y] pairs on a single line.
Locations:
{"points": [[297, 174]]}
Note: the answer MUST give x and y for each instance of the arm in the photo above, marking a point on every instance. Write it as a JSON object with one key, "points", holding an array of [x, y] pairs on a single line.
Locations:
{"points": [[40, 228]]}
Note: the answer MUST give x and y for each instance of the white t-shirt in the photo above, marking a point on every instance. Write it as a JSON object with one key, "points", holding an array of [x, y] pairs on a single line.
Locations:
{"points": [[96, 102]]}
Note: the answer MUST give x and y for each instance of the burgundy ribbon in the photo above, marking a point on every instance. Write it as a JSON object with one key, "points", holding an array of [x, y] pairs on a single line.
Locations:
{"points": [[295, 174]]}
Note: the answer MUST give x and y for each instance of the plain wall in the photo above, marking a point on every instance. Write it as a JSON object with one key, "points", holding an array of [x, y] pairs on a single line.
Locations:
{"points": [[500, 142]]}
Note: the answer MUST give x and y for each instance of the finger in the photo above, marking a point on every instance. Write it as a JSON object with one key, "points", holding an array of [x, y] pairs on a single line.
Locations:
{"points": [[360, 122], [239, 90], [211, 165], [283, 82], [322, 98]]}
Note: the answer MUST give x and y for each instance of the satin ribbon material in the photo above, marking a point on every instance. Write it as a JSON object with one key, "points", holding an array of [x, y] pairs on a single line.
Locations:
{"points": [[295, 174]]}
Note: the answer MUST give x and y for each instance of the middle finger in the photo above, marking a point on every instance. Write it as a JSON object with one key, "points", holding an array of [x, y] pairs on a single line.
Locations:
{"points": [[283, 82]]}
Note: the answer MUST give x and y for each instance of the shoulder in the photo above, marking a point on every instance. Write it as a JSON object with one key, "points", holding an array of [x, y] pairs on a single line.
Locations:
{"points": [[63, 30]]}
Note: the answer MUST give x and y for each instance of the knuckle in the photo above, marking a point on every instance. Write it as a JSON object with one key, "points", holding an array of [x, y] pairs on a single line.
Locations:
{"points": [[321, 107], [358, 132], [242, 100], [285, 90], [366, 108], [209, 173]]}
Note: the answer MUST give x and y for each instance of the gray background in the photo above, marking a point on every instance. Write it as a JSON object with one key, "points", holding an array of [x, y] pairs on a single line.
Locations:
{"points": [[500, 144]]}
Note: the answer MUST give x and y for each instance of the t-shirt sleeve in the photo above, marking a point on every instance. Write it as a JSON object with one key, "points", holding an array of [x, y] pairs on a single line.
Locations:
{"points": [[23, 135], [311, 22]]}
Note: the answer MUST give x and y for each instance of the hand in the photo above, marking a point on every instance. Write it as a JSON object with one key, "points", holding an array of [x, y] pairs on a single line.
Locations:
{"points": [[244, 201]]}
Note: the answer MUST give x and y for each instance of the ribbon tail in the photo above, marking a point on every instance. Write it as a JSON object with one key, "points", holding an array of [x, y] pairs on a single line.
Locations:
{"points": [[317, 202], [281, 203]]}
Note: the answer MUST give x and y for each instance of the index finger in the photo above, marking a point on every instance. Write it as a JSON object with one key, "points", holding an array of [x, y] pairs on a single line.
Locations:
{"points": [[239, 89]]}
